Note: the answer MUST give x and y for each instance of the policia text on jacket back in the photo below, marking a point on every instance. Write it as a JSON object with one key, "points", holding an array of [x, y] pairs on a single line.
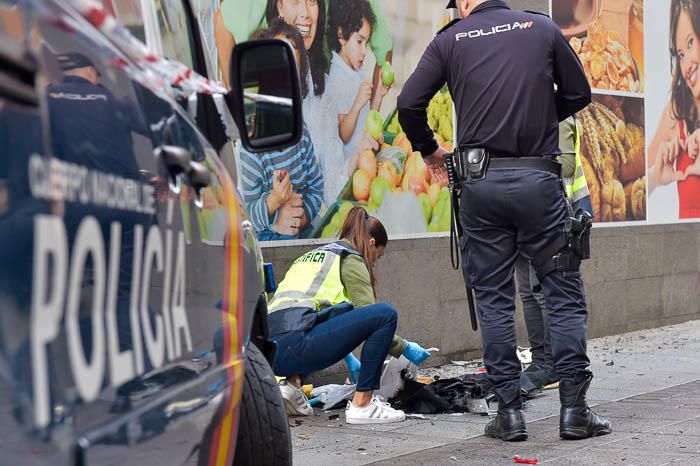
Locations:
{"points": [[501, 67]]}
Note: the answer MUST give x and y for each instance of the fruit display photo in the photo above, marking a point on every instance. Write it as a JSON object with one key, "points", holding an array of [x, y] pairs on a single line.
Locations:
{"points": [[612, 154], [380, 169]]}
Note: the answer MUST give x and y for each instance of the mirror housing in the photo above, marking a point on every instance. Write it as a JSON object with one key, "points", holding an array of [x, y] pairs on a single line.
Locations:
{"points": [[265, 95]]}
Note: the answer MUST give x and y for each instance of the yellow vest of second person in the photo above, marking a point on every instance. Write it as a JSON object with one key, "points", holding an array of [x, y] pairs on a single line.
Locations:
{"points": [[313, 281], [576, 186]]}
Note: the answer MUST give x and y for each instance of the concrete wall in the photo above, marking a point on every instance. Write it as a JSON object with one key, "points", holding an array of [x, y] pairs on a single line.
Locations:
{"points": [[639, 277]]}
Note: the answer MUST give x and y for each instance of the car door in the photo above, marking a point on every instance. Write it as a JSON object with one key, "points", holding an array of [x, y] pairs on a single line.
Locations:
{"points": [[116, 329], [172, 30]]}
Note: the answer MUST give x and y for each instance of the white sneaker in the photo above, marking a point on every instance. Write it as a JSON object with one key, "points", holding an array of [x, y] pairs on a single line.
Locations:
{"points": [[376, 412], [295, 401]]}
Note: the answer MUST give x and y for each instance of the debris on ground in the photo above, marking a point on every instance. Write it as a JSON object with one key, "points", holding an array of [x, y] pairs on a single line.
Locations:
{"points": [[333, 417], [520, 460], [469, 393], [332, 394], [611, 363], [396, 371], [304, 437]]}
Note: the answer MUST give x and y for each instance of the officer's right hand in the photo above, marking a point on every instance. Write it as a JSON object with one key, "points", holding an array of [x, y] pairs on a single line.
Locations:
{"points": [[436, 164], [436, 160]]}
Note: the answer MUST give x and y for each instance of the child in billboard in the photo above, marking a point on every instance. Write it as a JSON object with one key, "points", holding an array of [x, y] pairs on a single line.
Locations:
{"points": [[283, 190], [349, 94], [677, 139], [237, 20]]}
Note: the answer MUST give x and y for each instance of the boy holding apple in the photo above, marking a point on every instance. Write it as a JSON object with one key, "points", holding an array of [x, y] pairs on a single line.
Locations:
{"points": [[349, 95], [283, 190]]}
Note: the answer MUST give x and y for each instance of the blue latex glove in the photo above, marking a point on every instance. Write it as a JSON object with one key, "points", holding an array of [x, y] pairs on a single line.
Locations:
{"points": [[415, 353], [353, 366]]}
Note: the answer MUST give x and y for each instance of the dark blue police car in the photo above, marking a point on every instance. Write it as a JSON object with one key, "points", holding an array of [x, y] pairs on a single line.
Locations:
{"points": [[132, 301]]}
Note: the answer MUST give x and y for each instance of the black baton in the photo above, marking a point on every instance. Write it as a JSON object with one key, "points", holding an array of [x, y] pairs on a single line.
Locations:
{"points": [[456, 232]]}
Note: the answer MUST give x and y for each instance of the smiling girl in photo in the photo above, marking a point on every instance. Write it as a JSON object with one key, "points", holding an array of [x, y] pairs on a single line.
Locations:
{"points": [[677, 139]]}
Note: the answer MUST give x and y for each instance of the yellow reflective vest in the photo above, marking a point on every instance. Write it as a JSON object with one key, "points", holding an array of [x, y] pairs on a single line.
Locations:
{"points": [[576, 187], [313, 281]]}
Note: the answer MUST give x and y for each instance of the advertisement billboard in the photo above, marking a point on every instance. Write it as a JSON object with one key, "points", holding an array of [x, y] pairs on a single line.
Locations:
{"points": [[353, 57], [638, 141]]}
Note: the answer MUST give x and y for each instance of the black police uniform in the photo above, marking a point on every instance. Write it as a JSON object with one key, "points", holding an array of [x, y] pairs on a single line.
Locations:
{"points": [[501, 67]]}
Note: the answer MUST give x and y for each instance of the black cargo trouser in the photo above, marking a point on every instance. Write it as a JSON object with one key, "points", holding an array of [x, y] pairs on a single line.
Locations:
{"points": [[511, 212]]}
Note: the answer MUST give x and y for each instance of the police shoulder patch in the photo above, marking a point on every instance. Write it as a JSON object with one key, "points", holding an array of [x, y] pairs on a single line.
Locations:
{"points": [[449, 25], [537, 13]]}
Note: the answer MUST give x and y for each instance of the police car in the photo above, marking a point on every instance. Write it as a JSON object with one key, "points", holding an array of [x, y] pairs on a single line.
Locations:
{"points": [[132, 300]]}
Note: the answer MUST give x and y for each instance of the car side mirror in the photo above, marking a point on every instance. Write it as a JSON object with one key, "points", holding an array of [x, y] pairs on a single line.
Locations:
{"points": [[265, 95]]}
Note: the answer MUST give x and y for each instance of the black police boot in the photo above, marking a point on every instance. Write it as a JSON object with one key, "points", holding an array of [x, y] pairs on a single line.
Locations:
{"points": [[576, 420], [536, 377], [509, 424]]}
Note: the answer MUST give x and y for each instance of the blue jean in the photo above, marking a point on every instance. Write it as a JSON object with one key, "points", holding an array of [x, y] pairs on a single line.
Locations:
{"points": [[327, 342]]}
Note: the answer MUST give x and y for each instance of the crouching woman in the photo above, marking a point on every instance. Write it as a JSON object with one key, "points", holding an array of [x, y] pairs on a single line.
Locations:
{"points": [[326, 307]]}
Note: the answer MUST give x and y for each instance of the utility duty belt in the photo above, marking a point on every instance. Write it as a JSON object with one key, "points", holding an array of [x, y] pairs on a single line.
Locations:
{"points": [[564, 254], [472, 163]]}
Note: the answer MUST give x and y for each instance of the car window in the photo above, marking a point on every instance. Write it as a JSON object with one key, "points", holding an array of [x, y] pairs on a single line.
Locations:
{"points": [[129, 14], [172, 22], [175, 31]]}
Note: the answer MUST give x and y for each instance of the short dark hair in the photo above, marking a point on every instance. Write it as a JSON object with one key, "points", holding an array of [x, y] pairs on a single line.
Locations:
{"points": [[347, 15], [277, 28]]}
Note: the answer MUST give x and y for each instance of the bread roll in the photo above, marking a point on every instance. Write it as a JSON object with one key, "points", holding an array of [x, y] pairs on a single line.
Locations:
{"points": [[613, 205], [636, 199], [633, 169]]}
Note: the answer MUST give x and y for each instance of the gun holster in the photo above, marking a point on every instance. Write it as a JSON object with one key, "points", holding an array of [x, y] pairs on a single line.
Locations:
{"points": [[472, 163], [570, 250], [579, 233]]}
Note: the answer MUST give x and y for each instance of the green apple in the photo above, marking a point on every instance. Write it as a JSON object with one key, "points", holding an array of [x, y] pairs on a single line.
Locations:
{"points": [[336, 221], [425, 206], [379, 186], [329, 231], [344, 209], [387, 74], [373, 125]]}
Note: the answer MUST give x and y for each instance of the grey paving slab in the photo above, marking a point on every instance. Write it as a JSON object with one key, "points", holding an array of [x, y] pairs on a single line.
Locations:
{"points": [[690, 427], [597, 456], [644, 412], [445, 429], [651, 394], [345, 448], [635, 424], [656, 443], [326, 421]]}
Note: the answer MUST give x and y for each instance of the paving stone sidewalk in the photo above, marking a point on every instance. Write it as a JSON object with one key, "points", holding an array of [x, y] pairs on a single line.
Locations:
{"points": [[647, 383]]}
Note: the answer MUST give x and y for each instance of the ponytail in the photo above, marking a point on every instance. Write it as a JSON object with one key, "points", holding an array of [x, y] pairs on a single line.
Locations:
{"points": [[359, 227]]}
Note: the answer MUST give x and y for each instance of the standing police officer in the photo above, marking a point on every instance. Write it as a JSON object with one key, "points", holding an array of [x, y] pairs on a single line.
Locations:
{"points": [[501, 67]]}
